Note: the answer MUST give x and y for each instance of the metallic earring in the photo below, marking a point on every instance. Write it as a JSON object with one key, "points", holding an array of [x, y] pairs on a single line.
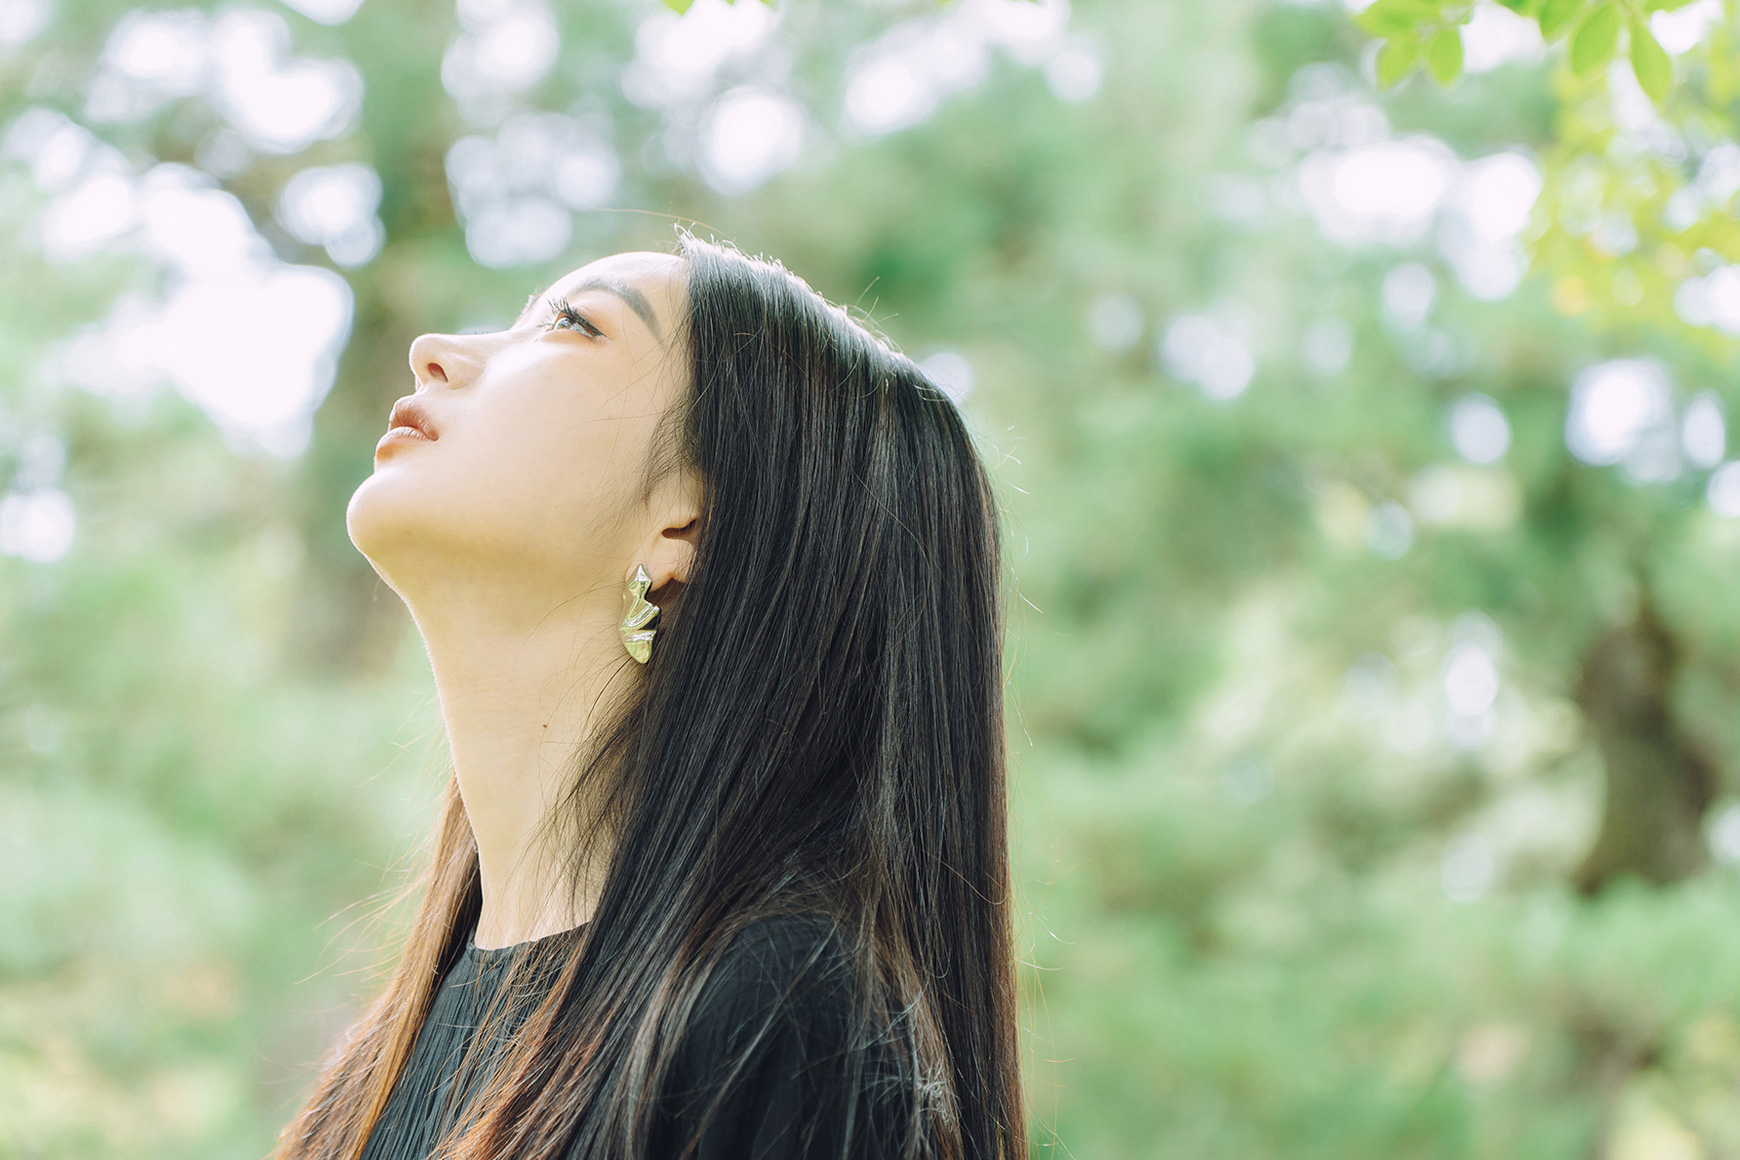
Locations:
{"points": [[638, 616]]}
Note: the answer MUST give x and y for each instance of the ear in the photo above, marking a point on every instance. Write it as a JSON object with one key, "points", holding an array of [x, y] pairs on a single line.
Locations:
{"points": [[668, 552]]}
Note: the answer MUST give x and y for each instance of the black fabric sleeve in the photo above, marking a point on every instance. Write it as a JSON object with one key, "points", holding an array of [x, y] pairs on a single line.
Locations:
{"points": [[764, 1070]]}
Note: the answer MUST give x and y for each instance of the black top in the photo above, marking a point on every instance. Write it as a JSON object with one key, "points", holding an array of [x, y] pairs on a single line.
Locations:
{"points": [[780, 1080]]}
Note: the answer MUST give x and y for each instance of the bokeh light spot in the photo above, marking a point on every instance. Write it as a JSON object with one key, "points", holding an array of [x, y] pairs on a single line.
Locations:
{"points": [[1704, 431], [1479, 429], [37, 525], [750, 135], [334, 206], [1114, 322], [1389, 530], [1468, 869], [1407, 295], [952, 372], [1614, 406], [1211, 350]]}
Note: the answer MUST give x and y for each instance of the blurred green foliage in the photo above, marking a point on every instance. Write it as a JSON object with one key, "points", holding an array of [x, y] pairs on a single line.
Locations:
{"points": [[1371, 739], [1428, 32]]}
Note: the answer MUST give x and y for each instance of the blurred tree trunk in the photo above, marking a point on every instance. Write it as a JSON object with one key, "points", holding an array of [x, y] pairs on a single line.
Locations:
{"points": [[1658, 783]]}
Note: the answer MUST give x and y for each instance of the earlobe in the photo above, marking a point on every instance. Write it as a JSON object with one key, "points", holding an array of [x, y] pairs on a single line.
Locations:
{"points": [[669, 553]]}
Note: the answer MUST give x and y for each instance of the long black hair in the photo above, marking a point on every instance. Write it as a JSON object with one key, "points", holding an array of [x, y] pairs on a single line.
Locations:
{"points": [[819, 731]]}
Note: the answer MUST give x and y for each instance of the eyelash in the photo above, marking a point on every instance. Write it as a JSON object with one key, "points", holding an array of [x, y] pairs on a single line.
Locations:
{"points": [[561, 310]]}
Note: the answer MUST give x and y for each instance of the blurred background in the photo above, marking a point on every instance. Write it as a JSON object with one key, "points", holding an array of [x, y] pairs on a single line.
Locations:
{"points": [[1356, 381]]}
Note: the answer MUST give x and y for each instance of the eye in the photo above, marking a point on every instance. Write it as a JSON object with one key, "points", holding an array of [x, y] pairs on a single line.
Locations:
{"points": [[565, 317]]}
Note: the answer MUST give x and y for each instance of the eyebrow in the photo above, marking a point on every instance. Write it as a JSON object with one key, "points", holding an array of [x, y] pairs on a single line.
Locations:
{"points": [[634, 298]]}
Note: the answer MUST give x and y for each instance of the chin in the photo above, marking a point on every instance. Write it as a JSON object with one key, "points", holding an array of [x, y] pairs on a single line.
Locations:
{"points": [[377, 519]]}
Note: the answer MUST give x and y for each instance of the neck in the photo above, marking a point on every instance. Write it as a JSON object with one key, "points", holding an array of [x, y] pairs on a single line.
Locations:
{"points": [[525, 683]]}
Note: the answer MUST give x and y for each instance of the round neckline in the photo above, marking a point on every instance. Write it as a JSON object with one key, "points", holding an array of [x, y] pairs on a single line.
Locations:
{"points": [[492, 955]]}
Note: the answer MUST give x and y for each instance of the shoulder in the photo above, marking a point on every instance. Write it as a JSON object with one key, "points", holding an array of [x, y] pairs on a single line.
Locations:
{"points": [[768, 1064], [783, 974], [781, 951]]}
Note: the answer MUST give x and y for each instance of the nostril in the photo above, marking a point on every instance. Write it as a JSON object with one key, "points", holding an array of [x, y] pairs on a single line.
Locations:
{"points": [[435, 372]]}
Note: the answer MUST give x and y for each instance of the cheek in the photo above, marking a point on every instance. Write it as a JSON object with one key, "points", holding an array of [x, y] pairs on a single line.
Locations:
{"points": [[553, 487], [532, 469]]}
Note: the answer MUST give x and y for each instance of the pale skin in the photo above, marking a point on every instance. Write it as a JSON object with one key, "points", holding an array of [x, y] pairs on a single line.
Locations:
{"points": [[510, 537]]}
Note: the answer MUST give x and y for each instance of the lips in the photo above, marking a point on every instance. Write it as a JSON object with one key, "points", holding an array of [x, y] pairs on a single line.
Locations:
{"points": [[408, 412]]}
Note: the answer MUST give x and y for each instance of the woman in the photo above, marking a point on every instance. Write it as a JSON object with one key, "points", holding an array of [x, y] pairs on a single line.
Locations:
{"points": [[707, 576]]}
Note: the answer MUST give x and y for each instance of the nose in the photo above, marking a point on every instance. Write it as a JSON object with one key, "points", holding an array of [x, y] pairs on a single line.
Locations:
{"points": [[442, 359]]}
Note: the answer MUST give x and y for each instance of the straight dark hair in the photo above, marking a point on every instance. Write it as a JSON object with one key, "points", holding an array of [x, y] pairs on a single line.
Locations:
{"points": [[819, 731]]}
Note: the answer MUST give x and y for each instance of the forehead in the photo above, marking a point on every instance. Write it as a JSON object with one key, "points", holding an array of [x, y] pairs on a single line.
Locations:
{"points": [[660, 278]]}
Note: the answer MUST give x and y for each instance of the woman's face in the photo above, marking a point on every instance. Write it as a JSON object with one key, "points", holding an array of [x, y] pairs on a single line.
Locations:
{"points": [[537, 439]]}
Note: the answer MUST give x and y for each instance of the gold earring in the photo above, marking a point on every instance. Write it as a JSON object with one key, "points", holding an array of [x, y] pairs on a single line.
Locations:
{"points": [[638, 616]]}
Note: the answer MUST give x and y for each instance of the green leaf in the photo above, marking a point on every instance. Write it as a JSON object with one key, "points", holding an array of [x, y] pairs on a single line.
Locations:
{"points": [[1396, 59], [1556, 16], [1596, 40], [1655, 73], [678, 6], [1397, 17], [1520, 7], [1444, 55]]}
